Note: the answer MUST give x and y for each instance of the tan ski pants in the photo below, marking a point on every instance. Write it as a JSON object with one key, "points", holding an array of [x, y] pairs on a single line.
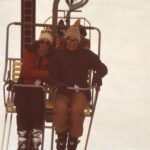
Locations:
{"points": [[69, 113]]}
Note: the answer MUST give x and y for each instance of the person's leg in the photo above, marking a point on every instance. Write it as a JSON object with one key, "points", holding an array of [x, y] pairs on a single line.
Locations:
{"points": [[72, 143], [22, 102], [37, 117], [22, 139], [60, 120], [22, 131], [36, 135], [78, 104], [37, 108], [61, 141], [60, 117]]}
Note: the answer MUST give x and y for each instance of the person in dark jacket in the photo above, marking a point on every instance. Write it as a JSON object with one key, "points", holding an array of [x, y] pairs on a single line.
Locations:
{"points": [[30, 101], [70, 68]]}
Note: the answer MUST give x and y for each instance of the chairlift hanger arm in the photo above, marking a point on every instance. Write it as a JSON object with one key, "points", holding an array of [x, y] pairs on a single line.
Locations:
{"points": [[73, 7], [78, 5]]}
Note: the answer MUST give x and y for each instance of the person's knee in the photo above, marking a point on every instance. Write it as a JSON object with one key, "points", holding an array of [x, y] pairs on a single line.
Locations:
{"points": [[60, 107], [78, 105], [76, 111]]}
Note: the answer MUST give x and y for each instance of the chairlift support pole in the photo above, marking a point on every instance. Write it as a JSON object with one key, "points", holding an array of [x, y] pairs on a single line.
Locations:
{"points": [[55, 16], [73, 7], [28, 15]]}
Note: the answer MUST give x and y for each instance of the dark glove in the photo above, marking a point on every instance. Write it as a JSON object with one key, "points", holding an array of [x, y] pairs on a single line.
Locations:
{"points": [[97, 80]]}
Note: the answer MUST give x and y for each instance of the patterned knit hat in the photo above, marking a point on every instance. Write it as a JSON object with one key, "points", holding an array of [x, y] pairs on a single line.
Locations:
{"points": [[73, 32], [46, 34]]}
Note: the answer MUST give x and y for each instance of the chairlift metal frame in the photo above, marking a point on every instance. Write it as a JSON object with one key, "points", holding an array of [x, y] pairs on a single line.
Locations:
{"points": [[6, 76]]}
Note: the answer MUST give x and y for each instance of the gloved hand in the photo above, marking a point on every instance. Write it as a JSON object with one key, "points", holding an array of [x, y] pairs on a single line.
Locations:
{"points": [[97, 80]]}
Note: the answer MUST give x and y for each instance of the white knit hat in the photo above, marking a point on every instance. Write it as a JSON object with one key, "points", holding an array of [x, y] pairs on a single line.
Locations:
{"points": [[73, 32], [46, 34]]}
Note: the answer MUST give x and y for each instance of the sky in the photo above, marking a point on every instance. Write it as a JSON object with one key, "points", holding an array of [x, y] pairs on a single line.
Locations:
{"points": [[122, 114]]}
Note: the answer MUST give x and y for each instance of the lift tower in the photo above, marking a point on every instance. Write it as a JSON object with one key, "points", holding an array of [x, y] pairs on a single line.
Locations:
{"points": [[28, 13]]}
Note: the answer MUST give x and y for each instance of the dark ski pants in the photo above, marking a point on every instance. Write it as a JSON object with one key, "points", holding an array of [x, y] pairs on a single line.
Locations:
{"points": [[69, 113], [30, 108]]}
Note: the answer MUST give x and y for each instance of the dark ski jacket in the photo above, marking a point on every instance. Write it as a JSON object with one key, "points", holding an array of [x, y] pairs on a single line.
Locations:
{"points": [[71, 67]]}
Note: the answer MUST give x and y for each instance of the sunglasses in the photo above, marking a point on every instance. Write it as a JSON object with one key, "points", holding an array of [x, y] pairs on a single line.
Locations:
{"points": [[44, 42]]}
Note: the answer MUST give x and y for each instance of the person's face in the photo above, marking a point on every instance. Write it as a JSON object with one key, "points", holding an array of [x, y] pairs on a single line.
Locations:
{"points": [[58, 42], [72, 43], [44, 46]]}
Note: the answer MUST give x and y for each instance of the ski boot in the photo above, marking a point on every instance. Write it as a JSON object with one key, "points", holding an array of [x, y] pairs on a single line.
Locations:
{"points": [[36, 139], [72, 143], [22, 139], [61, 141]]}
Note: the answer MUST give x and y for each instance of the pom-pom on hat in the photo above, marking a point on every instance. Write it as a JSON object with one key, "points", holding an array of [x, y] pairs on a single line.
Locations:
{"points": [[77, 23], [46, 34], [73, 31]]}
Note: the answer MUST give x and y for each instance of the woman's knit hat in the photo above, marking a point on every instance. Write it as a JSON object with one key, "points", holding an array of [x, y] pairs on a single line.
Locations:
{"points": [[73, 31], [46, 34]]}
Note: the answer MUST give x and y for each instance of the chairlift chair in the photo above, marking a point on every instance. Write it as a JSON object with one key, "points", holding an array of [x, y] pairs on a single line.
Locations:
{"points": [[11, 75]]}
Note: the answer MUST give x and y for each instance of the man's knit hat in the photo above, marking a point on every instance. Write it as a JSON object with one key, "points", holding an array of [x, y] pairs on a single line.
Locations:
{"points": [[73, 32], [46, 34]]}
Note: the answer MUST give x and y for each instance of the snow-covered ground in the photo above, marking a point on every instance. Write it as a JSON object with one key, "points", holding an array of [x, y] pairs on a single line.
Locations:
{"points": [[122, 115]]}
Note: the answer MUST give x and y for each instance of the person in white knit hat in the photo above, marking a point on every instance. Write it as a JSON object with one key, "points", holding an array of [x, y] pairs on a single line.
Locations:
{"points": [[46, 40], [70, 69], [46, 34], [30, 101], [73, 32], [72, 38]]}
